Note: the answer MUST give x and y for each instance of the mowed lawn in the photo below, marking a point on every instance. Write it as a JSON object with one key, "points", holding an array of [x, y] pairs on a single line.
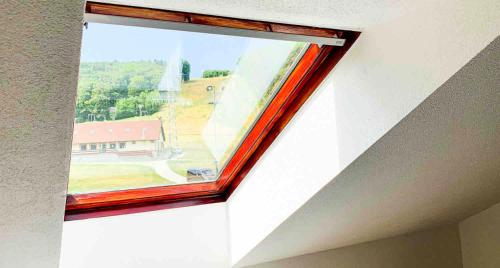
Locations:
{"points": [[107, 177]]}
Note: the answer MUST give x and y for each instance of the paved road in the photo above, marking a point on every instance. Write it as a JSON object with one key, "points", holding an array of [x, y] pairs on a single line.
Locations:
{"points": [[161, 167]]}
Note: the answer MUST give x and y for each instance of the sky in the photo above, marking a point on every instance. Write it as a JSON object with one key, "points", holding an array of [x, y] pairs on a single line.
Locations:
{"points": [[106, 42]]}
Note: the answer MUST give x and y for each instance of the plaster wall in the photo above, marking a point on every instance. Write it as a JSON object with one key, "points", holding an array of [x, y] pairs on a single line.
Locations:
{"points": [[185, 237], [438, 248], [39, 58], [480, 237], [474, 242]]}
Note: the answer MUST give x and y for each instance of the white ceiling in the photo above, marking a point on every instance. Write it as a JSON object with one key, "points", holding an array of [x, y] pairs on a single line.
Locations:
{"points": [[343, 14], [439, 165], [40, 45]]}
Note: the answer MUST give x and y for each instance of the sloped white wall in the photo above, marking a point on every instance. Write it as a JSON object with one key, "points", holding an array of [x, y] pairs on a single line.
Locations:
{"points": [[392, 68], [39, 58], [438, 247], [184, 237], [480, 238], [474, 242]]}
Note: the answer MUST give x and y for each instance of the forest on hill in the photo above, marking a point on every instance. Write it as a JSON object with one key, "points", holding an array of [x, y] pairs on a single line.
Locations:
{"points": [[117, 90]]}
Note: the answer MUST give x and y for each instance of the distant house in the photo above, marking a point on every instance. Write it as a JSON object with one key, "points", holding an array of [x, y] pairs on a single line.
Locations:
{"points": [[119, 137]]}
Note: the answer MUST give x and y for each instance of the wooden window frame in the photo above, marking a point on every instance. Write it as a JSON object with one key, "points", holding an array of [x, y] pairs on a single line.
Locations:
{"points": [[315, 64]]}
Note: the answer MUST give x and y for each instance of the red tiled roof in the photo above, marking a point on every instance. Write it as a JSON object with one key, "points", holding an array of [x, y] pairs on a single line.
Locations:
{"points": [[115, 131]]}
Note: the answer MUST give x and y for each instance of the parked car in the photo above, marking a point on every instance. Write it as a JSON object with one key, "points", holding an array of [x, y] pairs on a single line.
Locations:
{"points": [[200, 174]]}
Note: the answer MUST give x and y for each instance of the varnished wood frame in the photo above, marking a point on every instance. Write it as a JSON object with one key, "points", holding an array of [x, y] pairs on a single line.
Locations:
{"points": [[208, 20], [309, 72]]}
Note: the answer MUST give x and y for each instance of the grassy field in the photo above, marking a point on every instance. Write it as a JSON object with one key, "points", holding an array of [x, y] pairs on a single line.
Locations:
{"points": [[107, 177]]}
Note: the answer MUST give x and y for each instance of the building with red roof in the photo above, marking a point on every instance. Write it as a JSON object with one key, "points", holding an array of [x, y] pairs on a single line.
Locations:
{"points": [[144, 137]]}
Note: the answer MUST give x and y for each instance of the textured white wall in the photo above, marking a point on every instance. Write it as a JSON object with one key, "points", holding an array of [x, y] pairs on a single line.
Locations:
{"points": [[480, 237], [185, 237], [39, 58], [394, 66], [438, 248]]}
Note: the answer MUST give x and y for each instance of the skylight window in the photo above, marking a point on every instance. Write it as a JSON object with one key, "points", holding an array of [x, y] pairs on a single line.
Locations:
{"points": [[174, 108], [186, 99]]}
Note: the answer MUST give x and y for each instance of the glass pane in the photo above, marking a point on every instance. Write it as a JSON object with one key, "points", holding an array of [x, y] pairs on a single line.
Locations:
{"points": [[159, 107]]}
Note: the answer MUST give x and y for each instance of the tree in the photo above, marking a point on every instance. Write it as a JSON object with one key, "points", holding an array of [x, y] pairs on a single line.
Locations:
{"points": [[186, 70], [126, 108], [123, 85], [215, 73], [149, 101], [137, 85]]}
